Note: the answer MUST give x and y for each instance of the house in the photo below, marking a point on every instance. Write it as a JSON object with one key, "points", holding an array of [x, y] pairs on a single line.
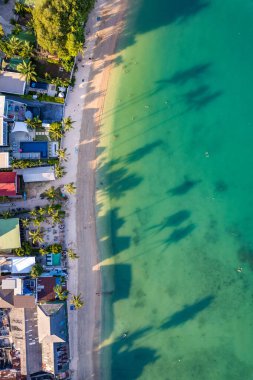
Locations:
{"points": [[53, 337], [17, 293], [9, 234], [12, 83], [37, 174], [10, 184], [45, 288]]}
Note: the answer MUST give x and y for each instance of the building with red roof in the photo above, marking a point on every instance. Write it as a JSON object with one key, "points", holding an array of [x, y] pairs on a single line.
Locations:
{"points": [[9, 184]]}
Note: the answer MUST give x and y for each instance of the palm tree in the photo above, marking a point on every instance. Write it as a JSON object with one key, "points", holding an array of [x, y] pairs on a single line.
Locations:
{"points": [[55, 248], [70, 188], [57, 218], [62, 154], [43, 251], [33, 212], [59, 171], [68, 123], [37, 221], [41, 211], [25, 222], [50, 193], [71, 254], [55, 131], [6, 214], [77, 301], [61, 293], [36, 271], [36, 236], [27, 50], [27, 69], [13, 46], [34, 123]]}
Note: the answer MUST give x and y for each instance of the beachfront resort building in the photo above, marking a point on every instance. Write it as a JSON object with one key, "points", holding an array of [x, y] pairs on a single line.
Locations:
{"points": [[9, 234]]}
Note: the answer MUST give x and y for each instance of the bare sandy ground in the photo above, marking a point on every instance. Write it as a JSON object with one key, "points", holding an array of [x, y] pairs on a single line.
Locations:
{"points": [[85, 106]]}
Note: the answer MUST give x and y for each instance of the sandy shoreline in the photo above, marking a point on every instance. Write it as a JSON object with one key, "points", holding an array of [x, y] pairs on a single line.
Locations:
{"points": [[85, 106]]}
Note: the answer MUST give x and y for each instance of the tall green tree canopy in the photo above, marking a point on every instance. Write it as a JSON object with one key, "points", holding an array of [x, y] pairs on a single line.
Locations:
{"points": [[58, 25]]}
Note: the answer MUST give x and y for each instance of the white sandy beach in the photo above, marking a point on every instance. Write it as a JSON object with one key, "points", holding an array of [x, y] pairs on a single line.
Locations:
{"points": [[85, 106]]}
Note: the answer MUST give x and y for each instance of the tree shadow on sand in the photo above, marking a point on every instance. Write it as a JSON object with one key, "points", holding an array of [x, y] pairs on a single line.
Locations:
{"points": [[187, 313]]}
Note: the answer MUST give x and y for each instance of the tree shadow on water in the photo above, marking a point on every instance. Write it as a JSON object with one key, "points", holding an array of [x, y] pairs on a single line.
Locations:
{"points": [[128, 363], [120, 181], [187, 313], [184, 187], [180, 234], [183, 76], [143, 151], [173, 220], [200, 97]]}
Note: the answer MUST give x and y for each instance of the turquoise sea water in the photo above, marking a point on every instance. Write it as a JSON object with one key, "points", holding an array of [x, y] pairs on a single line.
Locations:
{"points": [[177, 165]]}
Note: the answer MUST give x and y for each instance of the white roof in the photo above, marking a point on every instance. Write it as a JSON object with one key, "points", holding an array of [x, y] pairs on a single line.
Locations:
{"points": [[20, 126], [4, 160], [22, 264], [9, 283], [38, 174], [12, 83]]}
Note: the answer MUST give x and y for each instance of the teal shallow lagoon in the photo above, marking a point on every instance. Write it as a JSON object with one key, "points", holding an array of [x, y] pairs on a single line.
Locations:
{"points": [[178, 121]]}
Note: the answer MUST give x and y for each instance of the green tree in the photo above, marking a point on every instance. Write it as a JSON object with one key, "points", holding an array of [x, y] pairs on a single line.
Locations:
{"points": [[36, 236], [34, 123], [24, 250], [6, 214], [33, 213], [55, 248], [12, 46], [27, 69], [50, 193], [43, 251], [55, 131], [25, 222], [59, 171], [77, 301], [67, 16], [36, 271], [62, 154], [1, 31], [71, 254], [26, 50], [61, 293], [68, 123], [70, 188]]}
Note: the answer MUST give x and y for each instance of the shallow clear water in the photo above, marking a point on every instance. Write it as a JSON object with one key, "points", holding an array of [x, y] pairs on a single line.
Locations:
{"points": [[178, 122]]}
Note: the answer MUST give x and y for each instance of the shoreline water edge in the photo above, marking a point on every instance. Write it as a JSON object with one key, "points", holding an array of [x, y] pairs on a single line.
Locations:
{"points": [[85, 105]]}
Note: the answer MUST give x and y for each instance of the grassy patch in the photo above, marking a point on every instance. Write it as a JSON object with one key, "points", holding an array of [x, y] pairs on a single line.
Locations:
{"points": [[41, 138]]}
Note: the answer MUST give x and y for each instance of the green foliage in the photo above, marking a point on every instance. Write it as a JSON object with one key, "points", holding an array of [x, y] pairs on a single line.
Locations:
{"points": [[67, 17], [61, 293], [68, 123], [54, 248], [36, 236], [1, 31], [24, 250], [70, 188], [72, 254], [36, 271], [28, 71], [77, 301], [55, 131]]}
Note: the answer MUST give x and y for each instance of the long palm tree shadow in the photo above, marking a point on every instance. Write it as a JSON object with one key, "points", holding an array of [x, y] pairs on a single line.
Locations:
{"points": [[187, 313], [181, 77], [173, 220]]}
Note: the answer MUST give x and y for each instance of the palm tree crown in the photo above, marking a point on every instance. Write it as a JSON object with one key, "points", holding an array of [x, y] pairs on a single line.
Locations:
{"points": [[27, 69]]}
